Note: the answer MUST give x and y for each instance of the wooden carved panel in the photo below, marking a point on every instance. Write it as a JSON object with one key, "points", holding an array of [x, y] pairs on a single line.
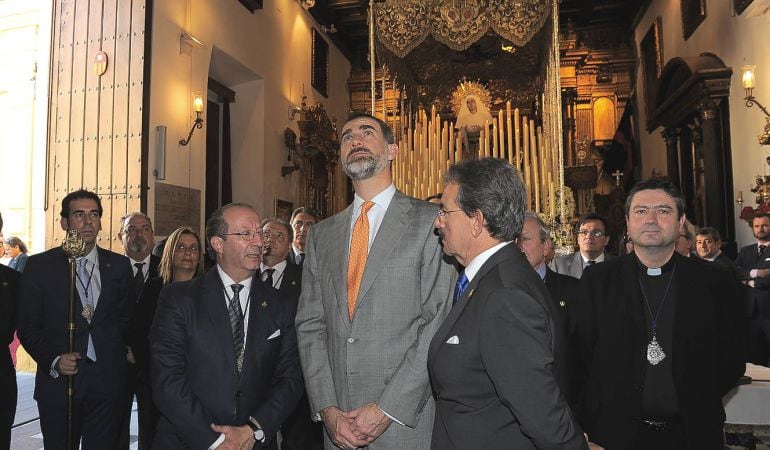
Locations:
{"points": [[315, 155]]}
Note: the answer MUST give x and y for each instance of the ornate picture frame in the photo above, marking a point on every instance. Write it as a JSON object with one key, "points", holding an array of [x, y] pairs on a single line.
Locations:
{"points": [[693, 14], [741, 5], [319, 67], [651, 53], [283, 209]]}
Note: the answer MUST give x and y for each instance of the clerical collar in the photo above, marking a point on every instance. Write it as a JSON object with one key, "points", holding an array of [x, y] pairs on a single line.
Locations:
{"points": [[655, 271]]}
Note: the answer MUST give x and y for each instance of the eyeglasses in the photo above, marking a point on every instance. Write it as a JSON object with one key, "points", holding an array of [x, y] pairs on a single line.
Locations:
{"points": [[442, 213], [594, 233], [278, 237], [247, 235]]}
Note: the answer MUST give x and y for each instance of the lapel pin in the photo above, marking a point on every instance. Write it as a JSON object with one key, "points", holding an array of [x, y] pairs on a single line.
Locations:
{"points": [[5, 283], [470, 294], [293, 283], [562, 303], [264, 304]]}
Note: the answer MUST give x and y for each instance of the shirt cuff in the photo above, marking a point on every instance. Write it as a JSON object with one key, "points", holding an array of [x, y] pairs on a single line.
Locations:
{"points": [[390, 417], [753, 273], [218, 442], [54, 373]]}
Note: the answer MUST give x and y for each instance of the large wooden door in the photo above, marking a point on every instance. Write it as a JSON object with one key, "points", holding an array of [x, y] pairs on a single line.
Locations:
{"points": [[95, 127]]}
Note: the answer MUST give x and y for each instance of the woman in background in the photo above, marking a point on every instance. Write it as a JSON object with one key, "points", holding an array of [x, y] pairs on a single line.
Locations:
{"points": [[16, 249], [181, 261]]}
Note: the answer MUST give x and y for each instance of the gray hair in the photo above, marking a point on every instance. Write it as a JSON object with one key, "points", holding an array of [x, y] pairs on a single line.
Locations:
{"points": [[495, 188], [124, 220], [544, 231], [283, 223]]}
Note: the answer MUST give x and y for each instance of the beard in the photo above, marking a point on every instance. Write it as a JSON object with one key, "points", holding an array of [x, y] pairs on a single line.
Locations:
{"points": [[362, 167], [138, 245]]}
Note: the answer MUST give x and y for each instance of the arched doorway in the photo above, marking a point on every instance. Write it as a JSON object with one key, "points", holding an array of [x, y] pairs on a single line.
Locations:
{"points": [[691, 105]]}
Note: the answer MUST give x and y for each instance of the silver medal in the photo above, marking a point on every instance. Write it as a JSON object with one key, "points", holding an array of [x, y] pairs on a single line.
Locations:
{"points": [[655, 352], [88, 312]]}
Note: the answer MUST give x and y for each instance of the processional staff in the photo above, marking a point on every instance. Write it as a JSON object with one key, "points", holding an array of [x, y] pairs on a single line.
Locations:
{"points": [[74, 247]]}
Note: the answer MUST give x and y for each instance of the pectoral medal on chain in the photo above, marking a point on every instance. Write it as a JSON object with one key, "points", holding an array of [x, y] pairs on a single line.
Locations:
{"points": [[88, 312], [655, 353]]}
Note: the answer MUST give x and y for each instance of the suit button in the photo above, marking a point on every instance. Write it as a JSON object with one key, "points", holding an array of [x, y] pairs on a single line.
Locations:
{"points": [[351, 340]]}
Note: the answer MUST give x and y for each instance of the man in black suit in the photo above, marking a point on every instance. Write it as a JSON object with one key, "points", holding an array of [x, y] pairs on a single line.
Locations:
{"points": [[494, 362], [138, 239], [302, 220], [103, 311], [535, 241], [9, 301], [298, 432], [225, 366], [660, 337], [753, 265], [708, 246]]}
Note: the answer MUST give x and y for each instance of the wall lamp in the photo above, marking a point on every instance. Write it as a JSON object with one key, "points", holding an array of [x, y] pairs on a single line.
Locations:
{"points": [[198, 107], [749, 81]]}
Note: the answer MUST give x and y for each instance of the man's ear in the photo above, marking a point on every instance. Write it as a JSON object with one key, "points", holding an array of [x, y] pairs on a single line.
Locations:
{"points": [[217, 244], [64, 224], [478, 222], [392, 151]]}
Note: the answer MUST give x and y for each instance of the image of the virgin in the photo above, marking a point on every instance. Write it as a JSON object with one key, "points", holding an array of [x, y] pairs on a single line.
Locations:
{"points": [[471, 120]]}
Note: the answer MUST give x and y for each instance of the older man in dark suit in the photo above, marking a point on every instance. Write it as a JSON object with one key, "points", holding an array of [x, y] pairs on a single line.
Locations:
{"points": [[9, 300], [535, 241], [103, 311], [137, 236], [494, 362], [660, 337], [225, 368], [298, 432]]}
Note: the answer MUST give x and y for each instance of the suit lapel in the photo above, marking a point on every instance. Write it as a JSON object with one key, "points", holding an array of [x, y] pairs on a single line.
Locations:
{"points": [[391, 229], [576, 266], [105, 270], [630, 284], [443, 332], [259, 322], [214, 303], [341, 253]]}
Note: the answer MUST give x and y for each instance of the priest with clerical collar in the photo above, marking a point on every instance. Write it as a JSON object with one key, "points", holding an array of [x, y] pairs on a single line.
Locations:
{"points": [[660, 337]]}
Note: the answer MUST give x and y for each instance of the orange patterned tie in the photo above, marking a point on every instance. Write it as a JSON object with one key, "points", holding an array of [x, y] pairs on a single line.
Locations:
{"points": [[359, 251]]}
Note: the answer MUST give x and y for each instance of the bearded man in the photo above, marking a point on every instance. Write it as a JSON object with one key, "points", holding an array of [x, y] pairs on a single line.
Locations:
{"points": [[374, 291]]}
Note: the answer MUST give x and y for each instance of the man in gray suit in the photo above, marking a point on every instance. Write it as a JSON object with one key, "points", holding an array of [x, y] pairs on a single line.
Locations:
{"points": [[374, 291], [592, 239]]}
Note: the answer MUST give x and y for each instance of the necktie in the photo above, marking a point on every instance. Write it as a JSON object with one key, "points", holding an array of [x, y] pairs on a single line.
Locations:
{"points": [[460, 287], [138, 280], [359, 251], [269, 277], [86, 293], [301, 259], [590, 262], [762, 249], [236, 324]]}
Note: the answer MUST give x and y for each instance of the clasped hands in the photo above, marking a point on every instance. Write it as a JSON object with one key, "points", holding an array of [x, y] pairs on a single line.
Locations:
{"points": [[236, 438], [356, 428]]}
